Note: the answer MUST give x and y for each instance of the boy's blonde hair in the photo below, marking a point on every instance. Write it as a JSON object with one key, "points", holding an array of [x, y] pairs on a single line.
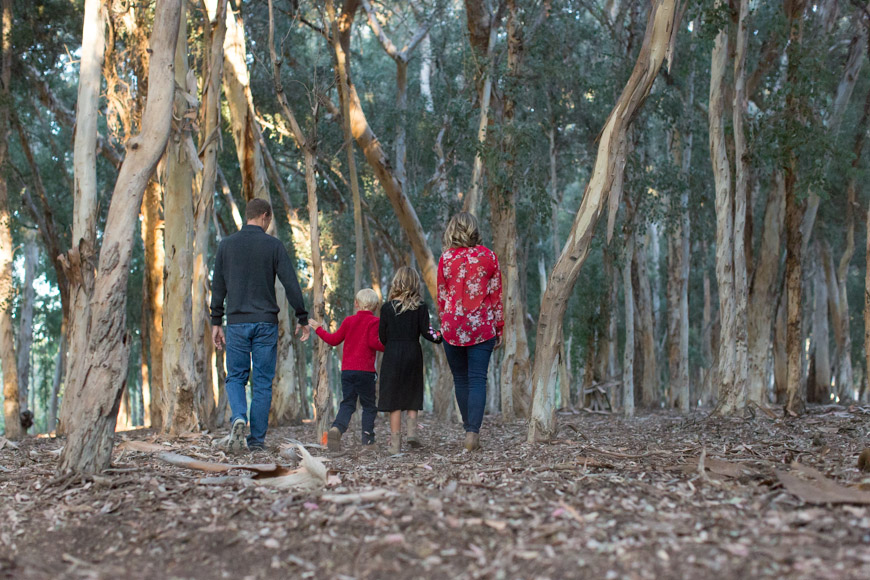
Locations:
{"points": [[462, 231], [367, 299], [405, 290]]}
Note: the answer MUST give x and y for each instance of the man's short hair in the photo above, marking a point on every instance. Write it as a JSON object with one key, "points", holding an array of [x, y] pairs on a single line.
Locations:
{"points": [[256, 208]]}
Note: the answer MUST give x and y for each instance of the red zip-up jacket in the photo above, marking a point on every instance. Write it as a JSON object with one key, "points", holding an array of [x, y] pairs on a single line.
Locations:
{"points": [[359, 333]]}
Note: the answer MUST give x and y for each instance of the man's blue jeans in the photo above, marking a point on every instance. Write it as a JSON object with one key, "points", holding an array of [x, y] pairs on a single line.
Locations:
{"points": [[251, 345], [469, 365]]}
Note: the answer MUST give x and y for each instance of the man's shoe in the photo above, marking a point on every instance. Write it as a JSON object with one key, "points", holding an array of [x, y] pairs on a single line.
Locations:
{"points": [[333, 439], [368, 439], [237, 442]]}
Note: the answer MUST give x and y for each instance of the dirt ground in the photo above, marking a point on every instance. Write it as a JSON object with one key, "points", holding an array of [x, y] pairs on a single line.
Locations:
{"points": [[610, 498]]}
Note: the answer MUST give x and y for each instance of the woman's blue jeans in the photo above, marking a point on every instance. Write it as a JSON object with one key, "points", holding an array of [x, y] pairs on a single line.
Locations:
{"points": [[469, 365], [252, 350]]}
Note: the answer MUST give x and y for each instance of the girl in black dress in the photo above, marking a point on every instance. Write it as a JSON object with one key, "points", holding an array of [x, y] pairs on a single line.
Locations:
{"points": [[404, 319]]}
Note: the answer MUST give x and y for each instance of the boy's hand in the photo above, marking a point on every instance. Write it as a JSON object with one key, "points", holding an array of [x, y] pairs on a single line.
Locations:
{"points": [[315, 324]]}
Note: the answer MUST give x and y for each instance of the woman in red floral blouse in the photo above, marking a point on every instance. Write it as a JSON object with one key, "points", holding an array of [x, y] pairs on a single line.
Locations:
{"points": [[472, 316]]}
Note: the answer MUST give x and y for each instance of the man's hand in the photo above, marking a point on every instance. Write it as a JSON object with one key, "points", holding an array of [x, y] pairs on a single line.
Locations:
{"points": [[303, 332], [217, 336], [499, 340]]}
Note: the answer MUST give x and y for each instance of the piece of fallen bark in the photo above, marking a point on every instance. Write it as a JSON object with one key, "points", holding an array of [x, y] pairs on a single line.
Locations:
{"points": [[628, 456], [143, 446], [716, 466], [310, 475], [820, 489], [4, 442], [343, 498]]}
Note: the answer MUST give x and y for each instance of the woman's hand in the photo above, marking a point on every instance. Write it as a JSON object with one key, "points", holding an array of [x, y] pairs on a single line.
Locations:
{"points": [[499, 340]]}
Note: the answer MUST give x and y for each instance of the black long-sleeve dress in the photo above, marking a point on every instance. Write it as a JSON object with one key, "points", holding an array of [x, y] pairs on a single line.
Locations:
{"points": [[401, 376]]}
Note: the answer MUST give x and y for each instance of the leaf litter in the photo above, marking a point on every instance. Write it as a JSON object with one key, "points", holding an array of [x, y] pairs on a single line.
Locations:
{"points": [[658, 496]]}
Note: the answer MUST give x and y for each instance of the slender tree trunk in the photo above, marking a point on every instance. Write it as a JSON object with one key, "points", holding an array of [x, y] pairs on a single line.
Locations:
{"points": [[152, 238], [11, 405], [401, 104], [730, 399], [760, 315], [98, 376], [606, 182], [645, 327], [25, 324], [473, 200], [143, 366], [203, 211], [821, 379], [56, 381], [80, 261], [741, 185], [628, 352], [794, 214], [319, 370], [179, 365]]}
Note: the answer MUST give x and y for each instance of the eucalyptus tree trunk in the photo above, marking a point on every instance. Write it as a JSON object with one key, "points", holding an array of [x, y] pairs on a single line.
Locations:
{"points": [[98, 376], [730, 399], [819, 383], [25, 323], [247, 138], [645, 325], [761, 311], [794, 214], [179, 366], [402, 104], [320, 360], [203, 210], [741, 185], [605, 183], [80, 260], [628, 352], [56, 381], [152, 308], [11, 407]]}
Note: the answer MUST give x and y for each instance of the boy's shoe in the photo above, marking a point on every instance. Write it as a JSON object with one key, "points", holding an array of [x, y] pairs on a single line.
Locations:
{"points": [[236, 442], [333, 439]]}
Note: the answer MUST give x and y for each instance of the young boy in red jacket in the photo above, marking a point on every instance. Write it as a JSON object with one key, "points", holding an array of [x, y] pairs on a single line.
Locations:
{"points": [[359, 333]]}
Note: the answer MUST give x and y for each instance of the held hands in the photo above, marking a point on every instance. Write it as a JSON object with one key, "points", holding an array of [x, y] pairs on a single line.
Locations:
{"points": [[217, 336]]}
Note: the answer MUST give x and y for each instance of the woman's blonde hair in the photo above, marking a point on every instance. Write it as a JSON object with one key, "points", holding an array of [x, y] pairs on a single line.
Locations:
{"points": [[462, 232], [367, 299], [405, 290]]}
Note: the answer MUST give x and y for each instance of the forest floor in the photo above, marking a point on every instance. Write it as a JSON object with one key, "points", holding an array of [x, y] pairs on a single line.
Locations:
{"points": [[609, 498]]}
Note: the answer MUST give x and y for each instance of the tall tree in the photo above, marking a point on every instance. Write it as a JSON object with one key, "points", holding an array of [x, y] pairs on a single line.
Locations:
{"points": [[7, 291], [181, 161], [81, 257], [605, 184], [98, 376]]}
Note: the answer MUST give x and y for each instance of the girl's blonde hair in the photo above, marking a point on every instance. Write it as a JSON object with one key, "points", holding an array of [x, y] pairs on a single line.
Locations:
{"points": [[367, 299], [462, 232], [405, 290]]}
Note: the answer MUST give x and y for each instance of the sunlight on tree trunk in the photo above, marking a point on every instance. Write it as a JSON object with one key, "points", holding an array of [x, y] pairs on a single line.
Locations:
{"points": [[152, 308], [80, 260]]}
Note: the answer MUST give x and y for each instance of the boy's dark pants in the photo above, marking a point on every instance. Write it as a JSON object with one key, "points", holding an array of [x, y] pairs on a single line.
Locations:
{"points": [[358, 384]]}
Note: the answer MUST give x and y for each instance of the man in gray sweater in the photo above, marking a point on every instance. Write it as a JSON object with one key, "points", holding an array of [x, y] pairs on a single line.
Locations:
{"points": [[245, 268]]}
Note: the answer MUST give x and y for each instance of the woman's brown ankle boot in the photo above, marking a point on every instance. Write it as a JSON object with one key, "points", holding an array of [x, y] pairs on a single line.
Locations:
{"points": [[412, 432], [395, 443]]}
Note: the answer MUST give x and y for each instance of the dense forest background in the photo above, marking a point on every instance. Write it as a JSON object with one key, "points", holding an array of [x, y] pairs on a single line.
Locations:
{"points": [[727, 269]]}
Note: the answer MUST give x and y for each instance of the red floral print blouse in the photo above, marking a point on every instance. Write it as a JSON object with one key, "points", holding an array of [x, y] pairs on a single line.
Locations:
{"points": [[469, 296]]}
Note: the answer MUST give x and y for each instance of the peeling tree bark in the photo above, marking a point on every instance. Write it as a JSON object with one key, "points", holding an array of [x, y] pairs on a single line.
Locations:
{"points": [[98, 376], [606, 180], [152, 238], [179, 367], [79, 262]]}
